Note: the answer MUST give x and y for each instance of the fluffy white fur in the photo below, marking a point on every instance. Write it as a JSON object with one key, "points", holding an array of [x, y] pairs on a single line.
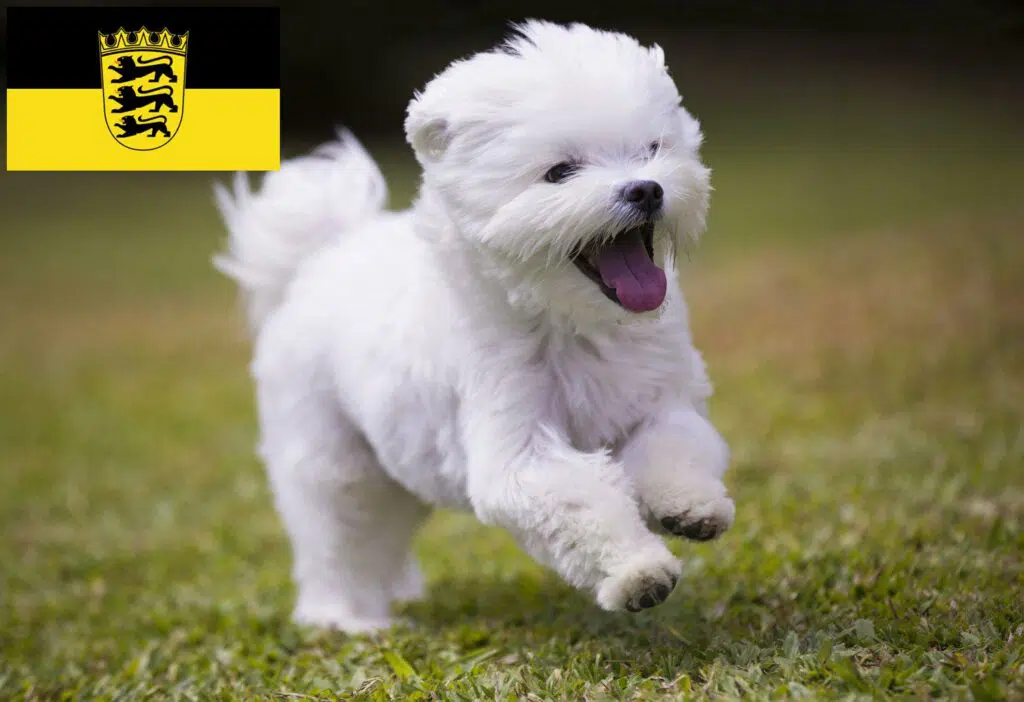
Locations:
{"points": [[452, 355]]}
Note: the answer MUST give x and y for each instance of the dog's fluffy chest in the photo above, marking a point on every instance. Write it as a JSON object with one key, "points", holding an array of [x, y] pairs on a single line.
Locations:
{"points": [[601, 387], [596, 390]]}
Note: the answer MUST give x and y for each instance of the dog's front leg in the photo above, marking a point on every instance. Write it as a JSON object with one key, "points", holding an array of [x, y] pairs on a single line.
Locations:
{"points": [[677, 460], [573, 511]]}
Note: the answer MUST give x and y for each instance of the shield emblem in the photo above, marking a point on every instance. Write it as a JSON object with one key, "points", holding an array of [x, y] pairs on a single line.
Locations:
{"points": [[143, 86]]}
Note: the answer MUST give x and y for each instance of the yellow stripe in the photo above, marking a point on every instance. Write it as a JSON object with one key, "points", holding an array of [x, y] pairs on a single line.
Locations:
{"points": [[221, 130]]}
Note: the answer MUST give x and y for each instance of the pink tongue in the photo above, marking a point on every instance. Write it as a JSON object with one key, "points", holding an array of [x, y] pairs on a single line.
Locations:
{"points": [[626, 268]]}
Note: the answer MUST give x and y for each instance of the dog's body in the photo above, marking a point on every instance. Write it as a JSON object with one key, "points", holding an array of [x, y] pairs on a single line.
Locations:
{"points": [[453, 355]]}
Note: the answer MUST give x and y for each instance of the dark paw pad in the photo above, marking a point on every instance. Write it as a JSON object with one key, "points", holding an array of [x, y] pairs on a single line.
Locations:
{"points": [[653, 596], [700, 530]]}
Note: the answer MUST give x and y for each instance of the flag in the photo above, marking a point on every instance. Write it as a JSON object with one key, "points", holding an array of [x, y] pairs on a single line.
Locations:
{"points": [[143, 89]]}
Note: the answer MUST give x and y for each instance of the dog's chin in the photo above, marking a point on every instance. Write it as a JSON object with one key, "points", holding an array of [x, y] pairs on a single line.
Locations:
{"points": [[623, 269]]}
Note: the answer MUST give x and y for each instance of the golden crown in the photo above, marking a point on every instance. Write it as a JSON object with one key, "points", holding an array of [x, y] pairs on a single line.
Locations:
{"points": [[143, 39]]}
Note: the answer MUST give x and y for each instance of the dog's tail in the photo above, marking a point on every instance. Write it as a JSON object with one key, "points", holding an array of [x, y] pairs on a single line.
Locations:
{"points": [[299, 209]]}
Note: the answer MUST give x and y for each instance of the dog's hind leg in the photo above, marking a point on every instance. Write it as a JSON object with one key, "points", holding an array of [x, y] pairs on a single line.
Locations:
{"points": [[349, 524]]}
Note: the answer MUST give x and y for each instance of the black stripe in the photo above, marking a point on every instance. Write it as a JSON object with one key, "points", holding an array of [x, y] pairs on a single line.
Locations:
{"points": [[58, 47]]}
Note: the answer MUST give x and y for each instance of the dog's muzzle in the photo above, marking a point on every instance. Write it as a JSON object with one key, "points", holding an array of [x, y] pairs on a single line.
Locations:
{"points": [[624, 269]]}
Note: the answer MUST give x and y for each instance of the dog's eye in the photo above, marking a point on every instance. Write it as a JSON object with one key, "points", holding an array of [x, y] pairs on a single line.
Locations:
{"points": [[561, 171], [654, 147]]}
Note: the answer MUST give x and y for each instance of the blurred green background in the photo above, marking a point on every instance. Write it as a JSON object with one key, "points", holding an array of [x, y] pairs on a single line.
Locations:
{"points": [[859, 297]]}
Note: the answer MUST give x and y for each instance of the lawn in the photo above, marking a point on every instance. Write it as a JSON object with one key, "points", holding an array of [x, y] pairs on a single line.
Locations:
{"points": [[860, 302]]}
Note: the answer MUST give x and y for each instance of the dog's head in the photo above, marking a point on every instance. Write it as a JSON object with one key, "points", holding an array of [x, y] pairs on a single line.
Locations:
{"points": [[565, 153]]}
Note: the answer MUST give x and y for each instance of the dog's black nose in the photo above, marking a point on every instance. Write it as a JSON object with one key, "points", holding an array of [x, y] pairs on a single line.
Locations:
{"points": [[645, 195]]}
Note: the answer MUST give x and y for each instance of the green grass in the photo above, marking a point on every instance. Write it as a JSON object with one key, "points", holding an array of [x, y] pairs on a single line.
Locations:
{"points": [[859, 302]]}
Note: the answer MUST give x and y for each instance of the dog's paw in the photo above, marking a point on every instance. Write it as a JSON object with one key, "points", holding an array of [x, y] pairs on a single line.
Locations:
{"points": [[700, 513], [339, 618], [642, 582]]}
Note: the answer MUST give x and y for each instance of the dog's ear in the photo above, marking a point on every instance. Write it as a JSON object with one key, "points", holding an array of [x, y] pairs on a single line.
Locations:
{"points": [[426, 130]]}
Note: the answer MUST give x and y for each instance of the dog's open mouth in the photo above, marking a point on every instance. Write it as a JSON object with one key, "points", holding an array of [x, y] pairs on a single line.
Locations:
{"points": [[624, 269]]}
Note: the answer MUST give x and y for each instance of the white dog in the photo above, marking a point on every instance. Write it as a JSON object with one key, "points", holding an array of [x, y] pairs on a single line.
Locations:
{"points": [[516, 344]]}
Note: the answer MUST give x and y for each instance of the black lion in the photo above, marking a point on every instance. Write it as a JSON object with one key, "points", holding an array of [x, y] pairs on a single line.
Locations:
{"points": [[130, 126], [130, 68], [129, 101]]}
